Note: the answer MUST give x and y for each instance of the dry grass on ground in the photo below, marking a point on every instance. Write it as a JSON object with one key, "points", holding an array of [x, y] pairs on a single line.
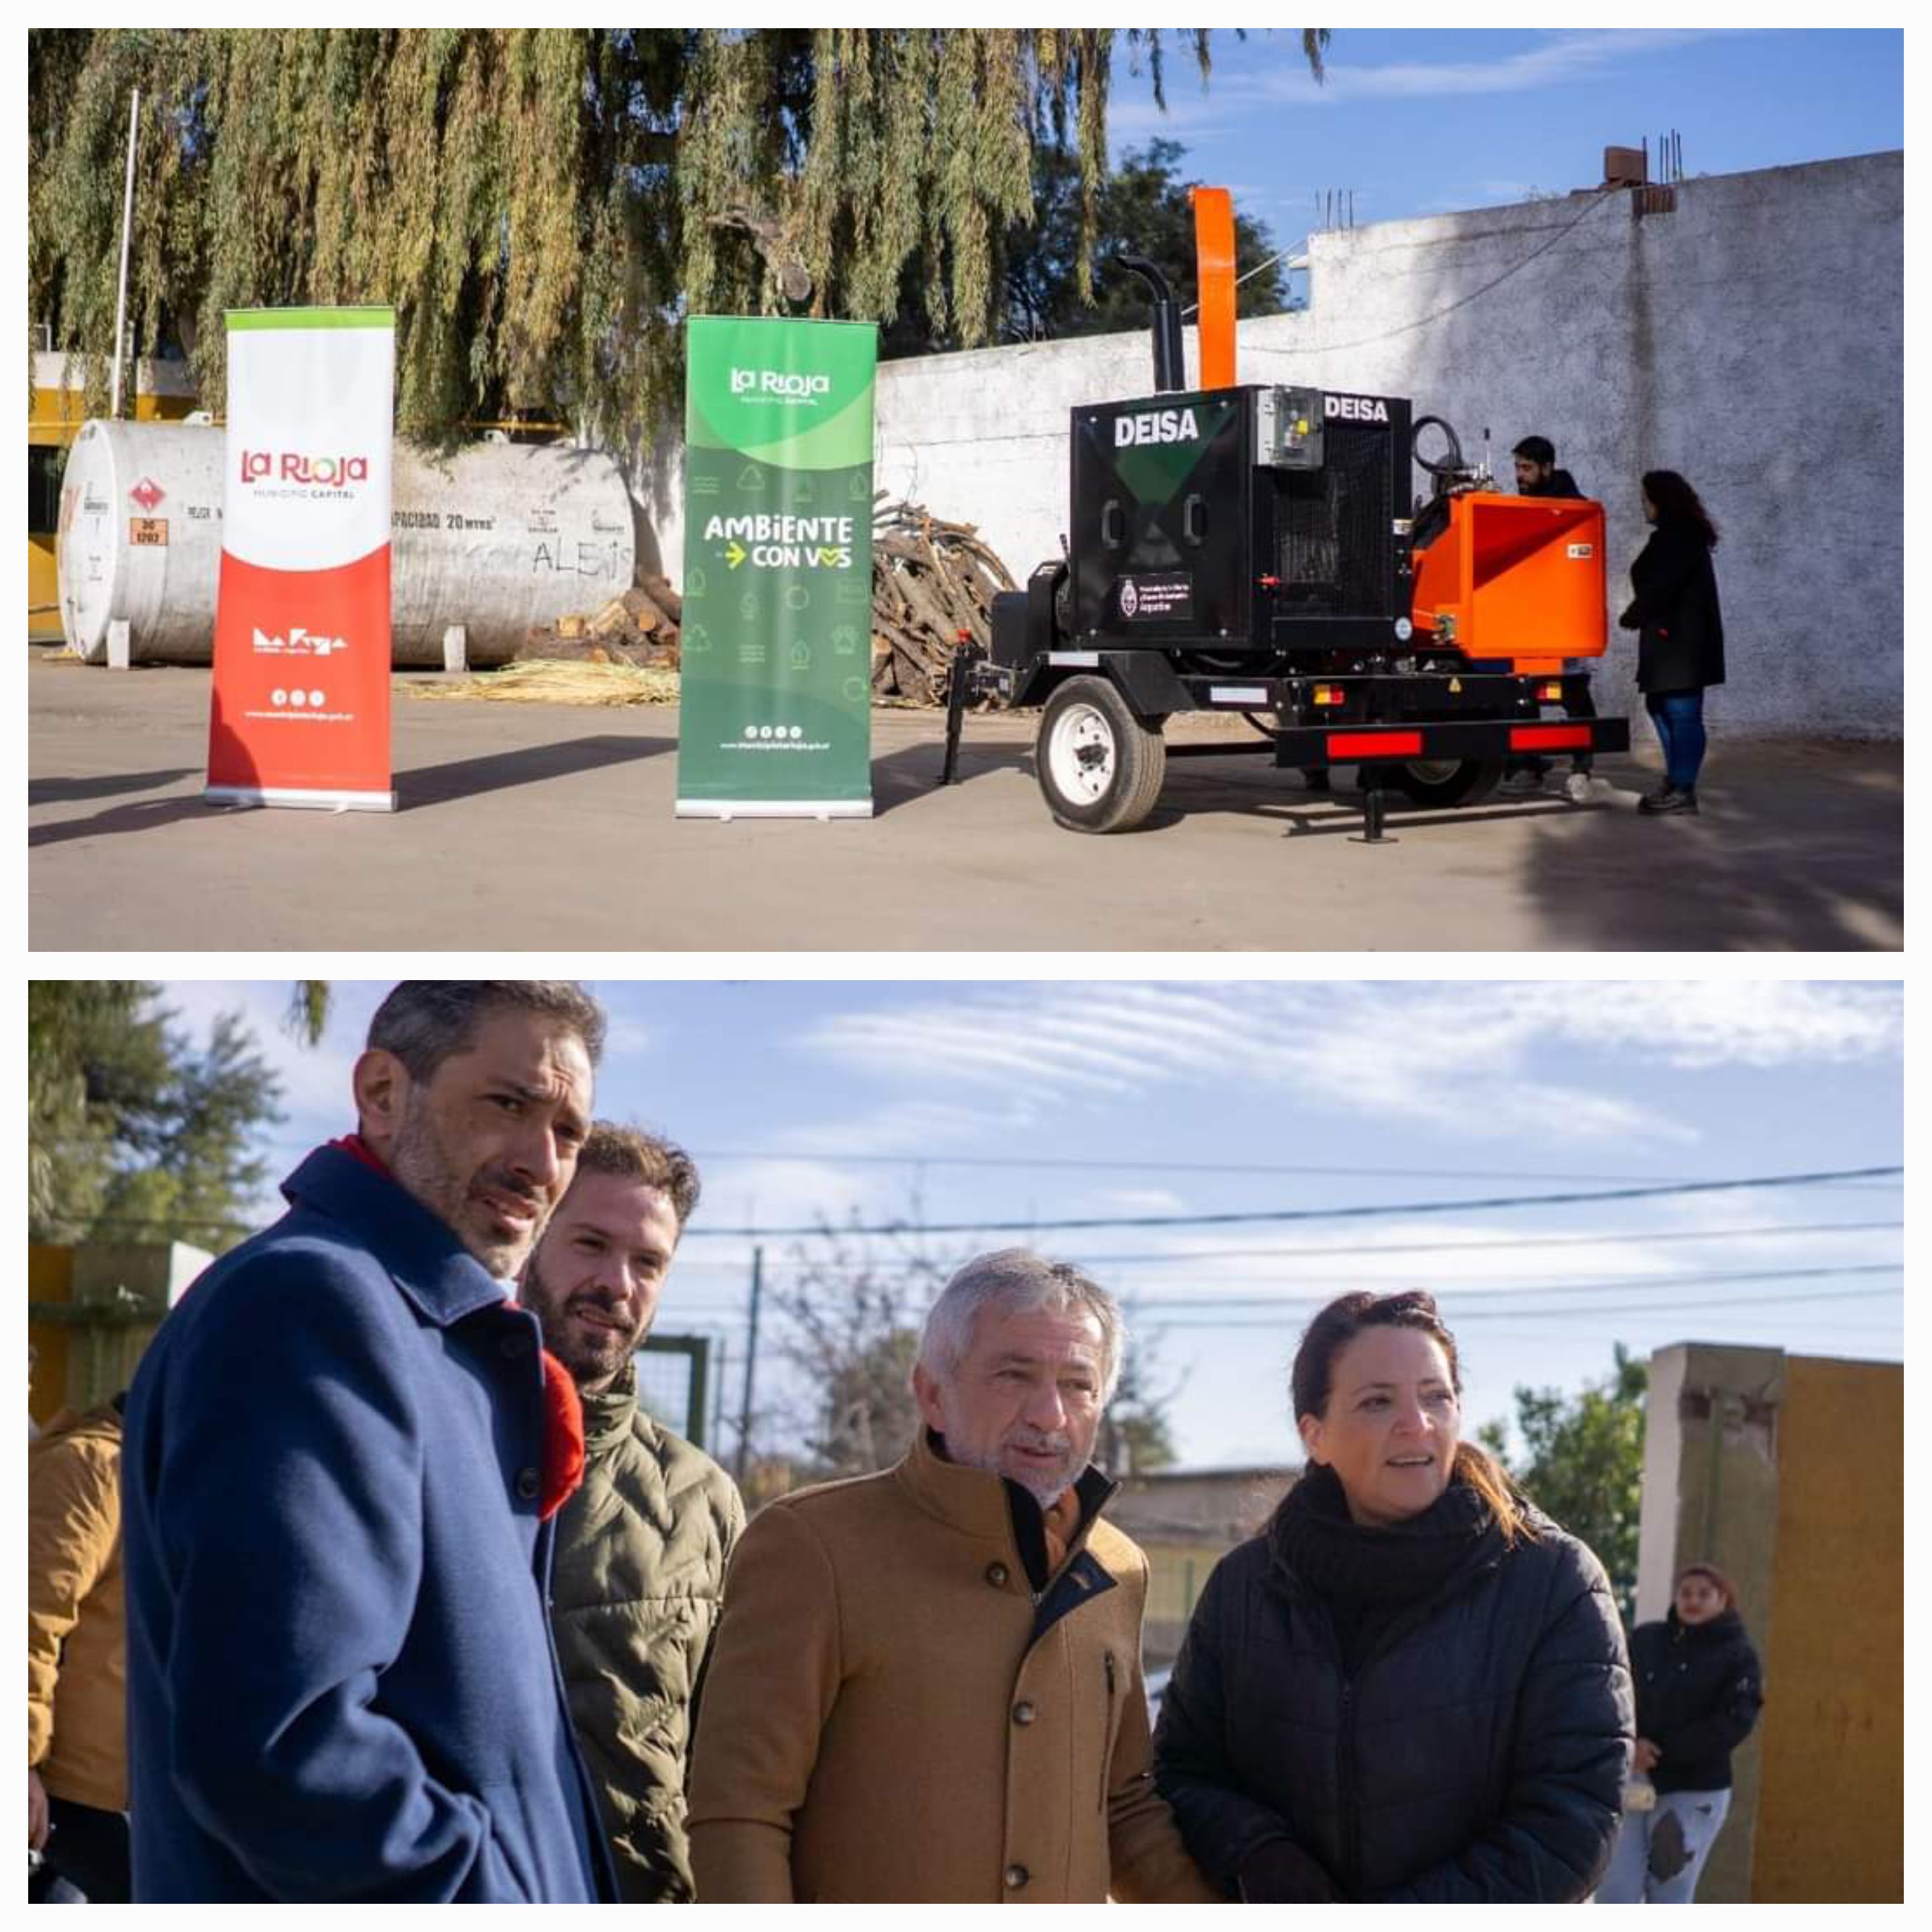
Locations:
{"points": [[548, 681]]}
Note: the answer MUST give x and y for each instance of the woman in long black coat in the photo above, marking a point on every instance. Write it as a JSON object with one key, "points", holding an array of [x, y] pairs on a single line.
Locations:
{"points": [[1698, 1691], [1680, 645], [1410, 1686]]}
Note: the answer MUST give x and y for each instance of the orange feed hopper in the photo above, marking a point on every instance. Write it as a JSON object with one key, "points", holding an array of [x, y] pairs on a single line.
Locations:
{"points": [[1516, 578]]}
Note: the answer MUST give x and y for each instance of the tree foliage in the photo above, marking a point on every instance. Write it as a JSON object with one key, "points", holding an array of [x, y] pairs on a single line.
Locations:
{"points": [[136, 1132], [1582, 1463], [847, 1313], [1144, 208], [542, 206]]}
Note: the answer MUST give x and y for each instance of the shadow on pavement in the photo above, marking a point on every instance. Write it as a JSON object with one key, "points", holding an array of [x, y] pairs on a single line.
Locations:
{"points": [[71, 791], [498, 771], [1820, 873], [912, 772], [141, 816]]}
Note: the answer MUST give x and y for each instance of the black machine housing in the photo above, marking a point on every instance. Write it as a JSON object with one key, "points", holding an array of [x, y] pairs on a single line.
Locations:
{"points": [[1233, 521]]}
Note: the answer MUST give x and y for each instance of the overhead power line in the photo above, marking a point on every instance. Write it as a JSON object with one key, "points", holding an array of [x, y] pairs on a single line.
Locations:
{"points": [[1151, 1257], [1488, 1204], [1516, 1297], [1593, 1309]]}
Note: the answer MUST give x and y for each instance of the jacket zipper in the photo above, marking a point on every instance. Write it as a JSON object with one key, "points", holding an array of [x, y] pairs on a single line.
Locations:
{"points": [[1107, 1730]]}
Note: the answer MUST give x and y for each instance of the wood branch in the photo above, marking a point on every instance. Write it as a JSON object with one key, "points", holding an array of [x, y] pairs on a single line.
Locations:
{"points": [[932, 580]]}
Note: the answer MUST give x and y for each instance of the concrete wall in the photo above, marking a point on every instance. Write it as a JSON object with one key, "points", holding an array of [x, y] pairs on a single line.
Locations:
{"points": [[1710, 1494], [92, 1311], [1783, 1470], [1753, 339]]}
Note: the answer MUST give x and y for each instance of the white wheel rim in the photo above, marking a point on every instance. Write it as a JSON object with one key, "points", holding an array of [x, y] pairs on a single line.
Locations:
{"points": [[1080, 754]]}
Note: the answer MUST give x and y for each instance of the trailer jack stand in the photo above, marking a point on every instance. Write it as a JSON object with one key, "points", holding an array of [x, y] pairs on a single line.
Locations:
{"points": [[959, 682], [1373, 810]]}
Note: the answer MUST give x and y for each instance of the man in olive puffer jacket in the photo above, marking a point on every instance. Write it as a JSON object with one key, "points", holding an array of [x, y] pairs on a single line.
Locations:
{"points": [[641, 1547]]}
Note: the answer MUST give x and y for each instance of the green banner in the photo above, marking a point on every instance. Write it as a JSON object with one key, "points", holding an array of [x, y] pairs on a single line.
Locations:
{"points": [[776, 710]]}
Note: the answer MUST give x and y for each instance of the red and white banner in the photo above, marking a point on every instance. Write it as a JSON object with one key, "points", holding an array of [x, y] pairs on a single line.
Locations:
{"points": [[301, 709]]}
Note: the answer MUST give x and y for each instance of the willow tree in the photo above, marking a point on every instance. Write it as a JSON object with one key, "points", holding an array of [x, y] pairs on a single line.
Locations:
{"points": [[542, 207]]}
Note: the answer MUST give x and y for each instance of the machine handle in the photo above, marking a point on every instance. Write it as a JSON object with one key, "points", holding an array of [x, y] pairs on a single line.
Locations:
{"points": [[1113, 524], [1194, 519]]}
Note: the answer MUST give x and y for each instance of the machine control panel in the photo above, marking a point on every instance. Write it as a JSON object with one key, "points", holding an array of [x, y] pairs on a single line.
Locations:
{"points": [[1288, 428]]}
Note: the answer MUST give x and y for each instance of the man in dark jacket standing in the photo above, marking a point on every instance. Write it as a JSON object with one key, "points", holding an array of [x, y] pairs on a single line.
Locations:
{"points": [[641, 1547], [1537, 474], [343, 1450]]}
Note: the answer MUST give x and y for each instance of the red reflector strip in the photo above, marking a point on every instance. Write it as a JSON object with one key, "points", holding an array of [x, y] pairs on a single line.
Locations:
{"points": [[1549, 737], [1375, 744]]}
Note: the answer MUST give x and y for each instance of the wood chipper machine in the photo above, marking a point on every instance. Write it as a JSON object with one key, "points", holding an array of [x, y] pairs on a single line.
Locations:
{"points": [[1256, 549]]}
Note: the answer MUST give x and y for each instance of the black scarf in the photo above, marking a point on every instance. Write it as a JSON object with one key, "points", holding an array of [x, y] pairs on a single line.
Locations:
{"points": [[1367, 1578]]}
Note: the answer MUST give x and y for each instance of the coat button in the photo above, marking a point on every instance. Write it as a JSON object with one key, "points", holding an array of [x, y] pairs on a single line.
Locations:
{"points": [[996, 1575], [1022, 1713], [528, 1483], [1016, 1877]]}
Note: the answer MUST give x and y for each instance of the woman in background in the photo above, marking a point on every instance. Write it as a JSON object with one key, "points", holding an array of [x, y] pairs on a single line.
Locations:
{"points": [[1697, 1697], [1680, 647], [1410, 1686]]}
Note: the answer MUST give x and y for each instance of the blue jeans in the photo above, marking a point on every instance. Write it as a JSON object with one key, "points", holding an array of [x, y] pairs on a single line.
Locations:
{"points": [[1678, 716], [1660, 1854]]}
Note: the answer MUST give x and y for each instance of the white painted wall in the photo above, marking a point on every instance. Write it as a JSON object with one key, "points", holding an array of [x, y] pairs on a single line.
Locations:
{"points": [[1753, 339]]}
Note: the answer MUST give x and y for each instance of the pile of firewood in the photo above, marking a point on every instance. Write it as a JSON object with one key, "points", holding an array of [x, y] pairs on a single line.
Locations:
{"points": [[932, 581], [639, 627]]}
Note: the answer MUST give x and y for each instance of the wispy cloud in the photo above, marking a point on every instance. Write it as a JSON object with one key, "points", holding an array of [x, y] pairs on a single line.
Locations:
{"points": [[1086, 1043], [1248, 79]]}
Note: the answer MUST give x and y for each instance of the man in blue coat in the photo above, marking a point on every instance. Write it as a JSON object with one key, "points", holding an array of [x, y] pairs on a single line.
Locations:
{"points": [[343, 1452]]}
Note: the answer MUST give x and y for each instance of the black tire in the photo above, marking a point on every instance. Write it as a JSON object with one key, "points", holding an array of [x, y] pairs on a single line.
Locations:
{"points": [[1444, 782], [1100, 768]]}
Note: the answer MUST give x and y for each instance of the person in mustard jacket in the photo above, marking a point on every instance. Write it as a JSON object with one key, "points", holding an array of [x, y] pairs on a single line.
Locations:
{"points": [[926, 1684], [77, 1660]]}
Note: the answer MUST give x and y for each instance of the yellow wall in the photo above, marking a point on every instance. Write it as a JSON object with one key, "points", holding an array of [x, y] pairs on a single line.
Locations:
{"points": [[50, 1278], [1831, 1791]]}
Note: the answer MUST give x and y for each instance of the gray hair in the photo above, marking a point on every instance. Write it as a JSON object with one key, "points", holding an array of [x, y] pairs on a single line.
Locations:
{"points": [[424, 1022], [1017, 1281]]}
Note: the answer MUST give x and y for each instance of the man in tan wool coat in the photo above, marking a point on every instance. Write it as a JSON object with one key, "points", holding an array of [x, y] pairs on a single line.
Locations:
{"points": [[926, 1685]]}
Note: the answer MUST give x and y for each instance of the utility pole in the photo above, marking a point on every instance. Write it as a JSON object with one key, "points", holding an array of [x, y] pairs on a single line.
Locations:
{"points": [[126, 227], [750, 1363]]}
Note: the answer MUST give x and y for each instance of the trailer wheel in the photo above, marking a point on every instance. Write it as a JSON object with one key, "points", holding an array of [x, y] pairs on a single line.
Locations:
{"points": [[1100, 768], [1446, 781]]}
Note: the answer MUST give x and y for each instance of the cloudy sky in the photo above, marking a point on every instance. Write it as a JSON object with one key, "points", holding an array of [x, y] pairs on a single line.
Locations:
{"points": [[1036, 1105], [1424, 121]]}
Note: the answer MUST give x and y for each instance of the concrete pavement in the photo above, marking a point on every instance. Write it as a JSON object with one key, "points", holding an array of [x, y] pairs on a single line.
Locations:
{"points": [[549, 828]]}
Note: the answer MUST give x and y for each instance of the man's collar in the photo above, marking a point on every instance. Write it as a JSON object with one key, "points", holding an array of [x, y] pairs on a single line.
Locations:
{"points": [[981, 1503], [418, 1250]]}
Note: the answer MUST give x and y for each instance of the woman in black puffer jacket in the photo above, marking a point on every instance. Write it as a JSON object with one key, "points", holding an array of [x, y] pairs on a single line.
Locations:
{"points": [[1681, 651], [1410, 1686], [1698, 1695]]}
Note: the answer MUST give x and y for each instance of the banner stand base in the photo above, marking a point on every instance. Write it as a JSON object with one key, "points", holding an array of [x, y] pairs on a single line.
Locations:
{"points": [[771, 807], [314, 801]]}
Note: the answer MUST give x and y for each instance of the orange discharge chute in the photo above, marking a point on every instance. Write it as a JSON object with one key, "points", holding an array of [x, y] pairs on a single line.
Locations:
{"points": [[1214, 261], [1516, 578]]}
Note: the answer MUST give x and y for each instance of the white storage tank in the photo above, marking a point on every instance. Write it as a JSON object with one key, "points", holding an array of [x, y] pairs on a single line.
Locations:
{"points": [[496, 537]]}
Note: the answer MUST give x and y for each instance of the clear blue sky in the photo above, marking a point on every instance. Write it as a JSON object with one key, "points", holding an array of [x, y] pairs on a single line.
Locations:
{"points": [[1424, 121], [1404, 1092]]}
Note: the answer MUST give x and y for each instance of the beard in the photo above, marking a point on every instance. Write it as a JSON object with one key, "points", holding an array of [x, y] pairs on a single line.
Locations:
{"points": [[590, 1355], [421, 1164], [1046, 1486]]}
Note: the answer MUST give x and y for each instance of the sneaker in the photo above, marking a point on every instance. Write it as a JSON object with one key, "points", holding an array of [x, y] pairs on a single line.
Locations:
{"points": [[1669, 799]]}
